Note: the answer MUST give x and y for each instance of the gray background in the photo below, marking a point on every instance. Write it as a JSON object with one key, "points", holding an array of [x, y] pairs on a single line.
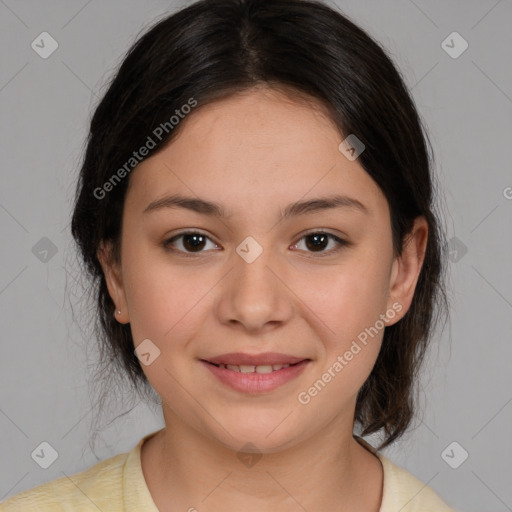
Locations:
{"points": [[45, 106]]}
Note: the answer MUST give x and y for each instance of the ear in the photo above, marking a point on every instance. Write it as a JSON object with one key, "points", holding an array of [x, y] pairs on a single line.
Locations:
{"points": [[406, 268], [114, 280]]}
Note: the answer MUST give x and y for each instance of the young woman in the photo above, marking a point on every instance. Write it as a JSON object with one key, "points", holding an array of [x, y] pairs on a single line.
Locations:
{"points": [[256, 209]]}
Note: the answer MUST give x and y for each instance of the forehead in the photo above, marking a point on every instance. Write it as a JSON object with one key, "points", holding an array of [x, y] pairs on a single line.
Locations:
{"points": [[257, 148]]}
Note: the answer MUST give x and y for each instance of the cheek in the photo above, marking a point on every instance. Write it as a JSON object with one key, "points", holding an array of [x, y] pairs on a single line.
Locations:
{"points": [[349, 302], [161, 298], [349, 297], [350, 347]]}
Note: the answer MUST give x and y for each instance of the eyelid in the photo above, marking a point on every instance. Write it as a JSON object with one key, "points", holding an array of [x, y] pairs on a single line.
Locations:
{"points": [[320, 230]]}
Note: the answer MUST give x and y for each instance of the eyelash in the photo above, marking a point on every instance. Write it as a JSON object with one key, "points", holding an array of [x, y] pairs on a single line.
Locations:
{"points": [[341, 243]]}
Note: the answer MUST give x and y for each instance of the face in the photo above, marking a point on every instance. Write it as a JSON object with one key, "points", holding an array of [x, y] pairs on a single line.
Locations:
{"points": [[316, 284]]}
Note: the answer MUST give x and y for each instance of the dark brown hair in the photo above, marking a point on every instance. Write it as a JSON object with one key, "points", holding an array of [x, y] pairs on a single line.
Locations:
{"points": [[214, 48]]}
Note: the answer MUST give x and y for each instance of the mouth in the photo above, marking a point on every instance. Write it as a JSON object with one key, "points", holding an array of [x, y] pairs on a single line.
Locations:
{"points": [[251, 368], [266, 373]]}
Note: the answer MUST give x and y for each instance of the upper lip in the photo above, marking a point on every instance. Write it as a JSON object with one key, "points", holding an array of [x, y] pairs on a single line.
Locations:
{"points": [[267, 358]]}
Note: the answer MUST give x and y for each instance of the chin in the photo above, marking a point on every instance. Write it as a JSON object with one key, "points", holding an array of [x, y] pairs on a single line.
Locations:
{"points": [[268, 437]]}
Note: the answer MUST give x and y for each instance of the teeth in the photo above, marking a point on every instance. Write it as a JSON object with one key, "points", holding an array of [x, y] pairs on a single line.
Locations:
{"points": [[267, 368], [249, 368]]}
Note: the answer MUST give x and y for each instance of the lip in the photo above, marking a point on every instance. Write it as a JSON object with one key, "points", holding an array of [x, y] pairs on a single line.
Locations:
{"points": [[240, 358], [255, 383]]}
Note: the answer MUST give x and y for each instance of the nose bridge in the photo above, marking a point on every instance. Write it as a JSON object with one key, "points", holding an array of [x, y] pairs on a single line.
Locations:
{"points": [[254, 295], [253, 275], [252, 264]]}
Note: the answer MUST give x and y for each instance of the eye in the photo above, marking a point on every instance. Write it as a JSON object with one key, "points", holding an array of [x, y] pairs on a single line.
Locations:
{"points": [[318, 240], [191, 241]]}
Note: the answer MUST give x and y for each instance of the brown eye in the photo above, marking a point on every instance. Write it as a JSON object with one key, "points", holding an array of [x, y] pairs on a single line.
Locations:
{"points": [[191, 242], [317, 241]]}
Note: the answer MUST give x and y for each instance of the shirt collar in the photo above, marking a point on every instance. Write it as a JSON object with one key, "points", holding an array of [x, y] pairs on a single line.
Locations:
{"points": [[136, 494]]}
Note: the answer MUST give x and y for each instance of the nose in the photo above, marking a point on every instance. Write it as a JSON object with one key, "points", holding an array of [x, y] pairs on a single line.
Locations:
{"points": [[254, 295]]}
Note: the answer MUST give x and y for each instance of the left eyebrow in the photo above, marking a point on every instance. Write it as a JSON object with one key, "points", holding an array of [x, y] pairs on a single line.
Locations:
{"points": [[210, 208]]}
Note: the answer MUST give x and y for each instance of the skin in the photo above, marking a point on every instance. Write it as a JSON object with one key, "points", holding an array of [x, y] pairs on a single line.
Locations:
{"points": [[255, 153]]}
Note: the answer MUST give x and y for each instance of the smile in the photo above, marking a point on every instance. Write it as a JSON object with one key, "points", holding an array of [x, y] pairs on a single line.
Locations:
{"points": [[245, 368], [255, 379]]}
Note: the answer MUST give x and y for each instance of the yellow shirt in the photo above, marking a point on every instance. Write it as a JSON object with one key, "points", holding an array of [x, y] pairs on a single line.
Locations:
{"points": [[117, 485]]}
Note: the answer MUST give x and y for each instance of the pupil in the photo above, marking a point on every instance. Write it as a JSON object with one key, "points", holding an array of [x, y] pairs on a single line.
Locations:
{"points": [[321, 238], [199, 239]]}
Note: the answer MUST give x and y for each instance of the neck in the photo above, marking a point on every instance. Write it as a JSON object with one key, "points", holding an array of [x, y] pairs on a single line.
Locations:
{"points": [[185, 470]]}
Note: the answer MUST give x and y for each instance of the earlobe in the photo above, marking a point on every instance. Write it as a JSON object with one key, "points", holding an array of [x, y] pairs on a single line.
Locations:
{"points": [[114, 281], [407, 267]]}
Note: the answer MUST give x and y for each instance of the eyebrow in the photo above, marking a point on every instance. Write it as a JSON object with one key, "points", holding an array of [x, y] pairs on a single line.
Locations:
{"points": [[298, 208]]}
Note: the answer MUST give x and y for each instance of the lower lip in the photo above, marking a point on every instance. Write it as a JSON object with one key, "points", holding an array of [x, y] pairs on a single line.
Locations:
{"points": [[256, 382]]}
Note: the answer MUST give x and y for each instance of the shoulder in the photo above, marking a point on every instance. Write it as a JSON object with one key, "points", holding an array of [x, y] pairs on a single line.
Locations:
{"points": [[403, 491], [99, 487]]}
